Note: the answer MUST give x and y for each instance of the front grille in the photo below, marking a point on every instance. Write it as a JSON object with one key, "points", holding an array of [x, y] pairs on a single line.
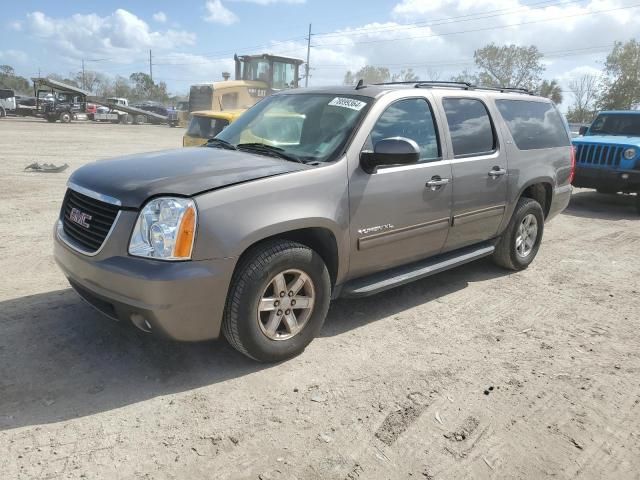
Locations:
{"points": [[87, 221], [594, 154]]}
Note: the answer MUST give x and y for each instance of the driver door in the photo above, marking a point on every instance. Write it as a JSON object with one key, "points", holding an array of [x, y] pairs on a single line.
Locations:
{"points": [[398, 214]]}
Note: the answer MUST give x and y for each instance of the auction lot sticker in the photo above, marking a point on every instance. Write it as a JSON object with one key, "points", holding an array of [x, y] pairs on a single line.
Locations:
{"points": [[348, 103]]}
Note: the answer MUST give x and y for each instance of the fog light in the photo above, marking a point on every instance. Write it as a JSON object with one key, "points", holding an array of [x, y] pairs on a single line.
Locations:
{"points": [[624, 176]]}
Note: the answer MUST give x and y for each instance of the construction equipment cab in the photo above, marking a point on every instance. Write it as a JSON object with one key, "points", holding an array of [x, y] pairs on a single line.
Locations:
{"points": [[256, 76]]}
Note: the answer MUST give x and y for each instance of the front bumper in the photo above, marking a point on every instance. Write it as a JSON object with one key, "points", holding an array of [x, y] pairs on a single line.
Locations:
{"points": [[179, 300], [606, 179]]}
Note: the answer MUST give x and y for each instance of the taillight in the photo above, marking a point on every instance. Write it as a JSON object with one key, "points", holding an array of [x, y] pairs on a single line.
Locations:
{"points": [[572, 174]]}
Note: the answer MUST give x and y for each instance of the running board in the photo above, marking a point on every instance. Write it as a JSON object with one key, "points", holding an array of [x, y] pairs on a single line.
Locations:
{"points": [[378, 282]]}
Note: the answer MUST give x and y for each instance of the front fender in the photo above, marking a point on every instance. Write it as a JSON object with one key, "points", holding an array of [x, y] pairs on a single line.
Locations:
{"points": [[232, 219]]}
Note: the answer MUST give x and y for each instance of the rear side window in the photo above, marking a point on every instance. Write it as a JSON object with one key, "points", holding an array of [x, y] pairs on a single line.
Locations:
{"points": [[410, 118], [533, 125], [470, 127]]}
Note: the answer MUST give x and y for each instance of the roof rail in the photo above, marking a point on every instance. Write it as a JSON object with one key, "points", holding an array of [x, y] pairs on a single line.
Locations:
{"points": [[431, 83], [462, 85]]}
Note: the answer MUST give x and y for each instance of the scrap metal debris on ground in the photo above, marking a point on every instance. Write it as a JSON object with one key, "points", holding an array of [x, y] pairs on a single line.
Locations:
{"points": [[45, 167]]}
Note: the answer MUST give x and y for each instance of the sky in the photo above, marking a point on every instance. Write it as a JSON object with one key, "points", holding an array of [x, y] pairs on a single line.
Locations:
{"points": [[193, 41]]}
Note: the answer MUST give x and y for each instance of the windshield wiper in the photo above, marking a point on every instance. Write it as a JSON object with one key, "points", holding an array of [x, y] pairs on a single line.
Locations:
{"points": [[219, 143], [269, 150]]}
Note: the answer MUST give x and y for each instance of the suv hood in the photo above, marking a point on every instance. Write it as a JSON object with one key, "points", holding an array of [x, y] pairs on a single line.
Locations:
{"points": [[185, 171], [621, 140]]}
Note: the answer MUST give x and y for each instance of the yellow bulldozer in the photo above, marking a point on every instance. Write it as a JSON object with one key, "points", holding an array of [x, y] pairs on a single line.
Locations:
{"points": [[256, 76]]}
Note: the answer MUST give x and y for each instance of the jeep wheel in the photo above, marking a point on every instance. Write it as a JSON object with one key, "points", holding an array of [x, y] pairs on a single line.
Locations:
{"points": [[277, 302], [65, 117], [520, 242]]}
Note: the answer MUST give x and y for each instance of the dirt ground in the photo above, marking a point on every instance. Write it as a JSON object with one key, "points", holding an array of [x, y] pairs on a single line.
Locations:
{"points": [[475, 373]]}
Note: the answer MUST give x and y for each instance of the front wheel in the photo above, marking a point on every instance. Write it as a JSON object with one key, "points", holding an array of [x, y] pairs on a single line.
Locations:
{"points": [[65, 117], [519, 243], [277, 302]]}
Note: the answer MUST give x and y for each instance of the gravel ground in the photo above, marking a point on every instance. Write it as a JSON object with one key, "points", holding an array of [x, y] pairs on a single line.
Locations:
{"points": [[474, 373]]}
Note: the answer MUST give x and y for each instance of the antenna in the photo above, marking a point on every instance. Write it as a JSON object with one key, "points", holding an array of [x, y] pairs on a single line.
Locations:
{"points": [[360, 84]]}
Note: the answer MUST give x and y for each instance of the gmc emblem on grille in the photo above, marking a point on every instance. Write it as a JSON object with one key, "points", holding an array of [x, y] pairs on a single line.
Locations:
{"points": [[79, 217]]}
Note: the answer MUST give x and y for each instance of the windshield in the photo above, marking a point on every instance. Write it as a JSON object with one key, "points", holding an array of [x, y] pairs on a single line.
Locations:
{"points": [[627, 124], [204, 127], [311, 127]]}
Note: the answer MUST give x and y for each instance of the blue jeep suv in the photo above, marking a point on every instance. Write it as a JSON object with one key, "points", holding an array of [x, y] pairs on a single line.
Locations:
{"points": [[608, 155]]}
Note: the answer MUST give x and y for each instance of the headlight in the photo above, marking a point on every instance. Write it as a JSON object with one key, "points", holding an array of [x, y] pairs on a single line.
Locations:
{"points": [[629, 153], [165, 229]]}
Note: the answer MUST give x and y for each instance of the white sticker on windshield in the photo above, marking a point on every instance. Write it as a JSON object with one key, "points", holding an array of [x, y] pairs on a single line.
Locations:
{"points": [[347, 103]]}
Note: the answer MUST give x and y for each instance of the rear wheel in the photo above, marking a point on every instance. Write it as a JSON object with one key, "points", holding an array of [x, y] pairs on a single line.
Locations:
{"points": [[51, 119], [520, 242], [277, 302]]}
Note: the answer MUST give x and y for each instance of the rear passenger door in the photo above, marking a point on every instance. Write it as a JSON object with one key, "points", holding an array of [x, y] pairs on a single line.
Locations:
{"points": [[479, 172]]}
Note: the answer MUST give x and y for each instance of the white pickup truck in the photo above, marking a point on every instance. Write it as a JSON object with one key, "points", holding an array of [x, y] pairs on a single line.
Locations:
{"points": [[109, 114]]}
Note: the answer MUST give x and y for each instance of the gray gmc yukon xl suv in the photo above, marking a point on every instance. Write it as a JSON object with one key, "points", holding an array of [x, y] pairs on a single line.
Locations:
{"points": [[313, 194]]}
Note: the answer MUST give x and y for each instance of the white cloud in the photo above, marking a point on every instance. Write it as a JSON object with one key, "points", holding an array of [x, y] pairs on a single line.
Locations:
{"points": [[270, 2], [118, 34], [218, 13], [16, 25], [16, 56], [160, 17]]}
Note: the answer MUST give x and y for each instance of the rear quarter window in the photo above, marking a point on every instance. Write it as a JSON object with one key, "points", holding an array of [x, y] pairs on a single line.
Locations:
{"points": [[534, 125]]}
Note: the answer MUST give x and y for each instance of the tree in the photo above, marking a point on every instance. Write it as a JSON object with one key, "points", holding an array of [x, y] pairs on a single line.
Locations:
{"points": [[9, 80], [585, 94], [368, 74], [509, 66], [622, 77], [90, 80], [349, 78], [467, 77], [550, 89], [404, 76]]}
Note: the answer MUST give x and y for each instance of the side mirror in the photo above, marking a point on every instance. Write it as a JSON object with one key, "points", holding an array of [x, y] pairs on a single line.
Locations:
{"points": [[583, 130], [390, 151]]}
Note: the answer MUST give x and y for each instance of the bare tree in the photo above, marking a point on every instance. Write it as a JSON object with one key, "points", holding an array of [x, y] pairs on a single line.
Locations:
{"points": [[585, 93], [433, 74], [404, 76]]}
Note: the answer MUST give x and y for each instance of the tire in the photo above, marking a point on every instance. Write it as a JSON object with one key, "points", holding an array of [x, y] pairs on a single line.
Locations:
{"points": [[3, 112], [247, 329], [51, 119], [65, 117], [126, 119], [507, 253]]}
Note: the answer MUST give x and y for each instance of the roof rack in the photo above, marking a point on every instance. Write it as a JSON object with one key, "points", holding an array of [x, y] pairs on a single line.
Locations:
{"points": [[452, 84]]}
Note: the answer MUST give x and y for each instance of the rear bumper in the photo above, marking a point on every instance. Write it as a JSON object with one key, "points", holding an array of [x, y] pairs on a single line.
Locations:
{"points": [[615, 180], [559, 201], [179, 300]]}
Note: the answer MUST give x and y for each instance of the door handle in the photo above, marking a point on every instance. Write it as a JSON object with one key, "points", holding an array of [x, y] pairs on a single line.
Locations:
{"points": [[497, 172], [437, 182]]}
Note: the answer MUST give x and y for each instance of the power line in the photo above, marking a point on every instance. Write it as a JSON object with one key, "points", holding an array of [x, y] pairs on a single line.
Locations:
{"points": [[447, 20], [484, 29]]}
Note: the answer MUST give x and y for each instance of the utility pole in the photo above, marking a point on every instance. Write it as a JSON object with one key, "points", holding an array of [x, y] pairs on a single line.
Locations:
{"points": [[83, 78], [150, 67], [306, 67]]}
